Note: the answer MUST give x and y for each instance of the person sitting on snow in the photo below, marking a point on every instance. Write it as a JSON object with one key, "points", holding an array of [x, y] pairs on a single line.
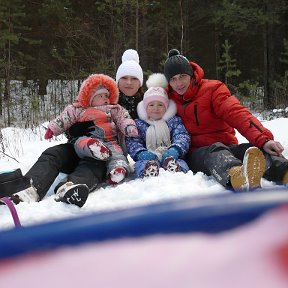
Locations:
{"points": [[97, 102], [162, 140], [211, 114]]}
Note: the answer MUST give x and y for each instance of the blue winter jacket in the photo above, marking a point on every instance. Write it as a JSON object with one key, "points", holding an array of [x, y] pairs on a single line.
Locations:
{"points": [[179, 136]]}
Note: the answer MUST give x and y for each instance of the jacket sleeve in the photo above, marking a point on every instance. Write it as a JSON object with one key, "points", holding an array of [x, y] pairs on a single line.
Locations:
{"points": [[122, 118], [239, 117], [180, 138], [65, 120], [137, 144]]}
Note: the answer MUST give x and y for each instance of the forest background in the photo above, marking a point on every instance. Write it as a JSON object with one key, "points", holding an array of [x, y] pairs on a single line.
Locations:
{"points": [[48, 47]]}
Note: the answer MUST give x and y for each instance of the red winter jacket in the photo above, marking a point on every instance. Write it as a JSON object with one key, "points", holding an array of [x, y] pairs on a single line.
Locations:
{"points": [[210, 113]]}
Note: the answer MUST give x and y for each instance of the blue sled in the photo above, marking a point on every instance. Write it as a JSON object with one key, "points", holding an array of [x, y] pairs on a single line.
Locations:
{"points": [[211, 214]]}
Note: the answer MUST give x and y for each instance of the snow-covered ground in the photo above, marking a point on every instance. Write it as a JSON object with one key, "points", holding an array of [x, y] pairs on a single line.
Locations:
{"points": [[26, 145]]}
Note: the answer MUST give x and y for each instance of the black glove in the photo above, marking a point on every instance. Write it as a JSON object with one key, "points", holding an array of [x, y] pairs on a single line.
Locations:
{"points": [[80, 129]]}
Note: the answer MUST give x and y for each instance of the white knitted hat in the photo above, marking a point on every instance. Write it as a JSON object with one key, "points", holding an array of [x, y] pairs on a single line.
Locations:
{"points": [[130, 66]]}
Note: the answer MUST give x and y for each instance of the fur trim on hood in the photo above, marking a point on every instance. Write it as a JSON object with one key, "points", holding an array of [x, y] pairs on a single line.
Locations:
{"points": [[91, 83]]}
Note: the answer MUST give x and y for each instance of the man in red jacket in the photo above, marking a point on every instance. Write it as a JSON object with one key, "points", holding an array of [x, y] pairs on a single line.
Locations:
{"points": [[211, 114]]}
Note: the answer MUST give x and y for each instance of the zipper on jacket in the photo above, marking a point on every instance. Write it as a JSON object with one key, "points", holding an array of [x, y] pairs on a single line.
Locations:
{"points": [[256, 126], [196, 116]]}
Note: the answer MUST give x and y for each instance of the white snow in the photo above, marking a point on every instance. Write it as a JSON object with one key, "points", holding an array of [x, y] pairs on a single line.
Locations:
{"points": [[26, 145]]}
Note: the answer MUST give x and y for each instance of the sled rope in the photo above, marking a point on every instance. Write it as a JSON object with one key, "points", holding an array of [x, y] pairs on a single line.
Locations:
{"points": [[12, 209]]}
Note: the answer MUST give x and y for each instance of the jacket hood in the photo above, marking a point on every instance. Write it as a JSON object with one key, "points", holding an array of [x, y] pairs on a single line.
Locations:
{"points": [[198, 72], [91, 83]]}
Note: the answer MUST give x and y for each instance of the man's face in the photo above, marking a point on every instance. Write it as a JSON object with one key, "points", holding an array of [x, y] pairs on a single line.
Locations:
{"points": [[180, 83]]}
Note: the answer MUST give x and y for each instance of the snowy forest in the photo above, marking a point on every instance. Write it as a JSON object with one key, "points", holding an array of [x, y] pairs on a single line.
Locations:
{"points": [[151, 231], [48, 47]]}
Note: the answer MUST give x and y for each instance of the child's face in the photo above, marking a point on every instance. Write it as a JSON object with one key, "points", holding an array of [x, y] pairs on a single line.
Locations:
{"points": [[129, 85], [100, 99], [155, 110]]}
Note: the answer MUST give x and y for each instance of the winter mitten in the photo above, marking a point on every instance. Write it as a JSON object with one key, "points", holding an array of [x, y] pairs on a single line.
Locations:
{"points": [[131, 131], [146, 155], [80, 129], [171, 152], [49, 134]]}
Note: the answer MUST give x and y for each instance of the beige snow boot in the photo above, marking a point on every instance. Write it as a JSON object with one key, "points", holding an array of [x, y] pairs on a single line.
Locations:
{"points": [[285, 178], [248, 176]]}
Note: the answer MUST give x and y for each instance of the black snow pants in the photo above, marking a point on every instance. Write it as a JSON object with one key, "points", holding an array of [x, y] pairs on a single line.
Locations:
{"points": [[62, 158], [218, 158]]}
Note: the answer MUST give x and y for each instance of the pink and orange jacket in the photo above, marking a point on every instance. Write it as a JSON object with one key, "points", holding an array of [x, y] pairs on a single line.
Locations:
{"points": [[108, 119]]}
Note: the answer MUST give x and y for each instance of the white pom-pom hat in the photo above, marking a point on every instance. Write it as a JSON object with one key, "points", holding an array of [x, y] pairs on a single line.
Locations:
{"points": [[130, 66]]}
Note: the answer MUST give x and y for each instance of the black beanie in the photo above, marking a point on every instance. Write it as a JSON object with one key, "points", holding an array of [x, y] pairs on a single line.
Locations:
{"points": [[176, 64]]}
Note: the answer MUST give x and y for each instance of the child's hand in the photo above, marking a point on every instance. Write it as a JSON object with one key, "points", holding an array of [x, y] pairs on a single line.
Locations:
{"points": [[171, 152], [49, 134], [146, 155], [132, 131]]}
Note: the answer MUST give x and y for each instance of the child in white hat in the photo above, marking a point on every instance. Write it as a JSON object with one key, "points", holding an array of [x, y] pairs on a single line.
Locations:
{"points": [[162, 140], [129, 78]]}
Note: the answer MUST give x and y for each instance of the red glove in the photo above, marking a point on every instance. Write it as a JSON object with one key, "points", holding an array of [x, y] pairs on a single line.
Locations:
{"points": [[49, 134]]}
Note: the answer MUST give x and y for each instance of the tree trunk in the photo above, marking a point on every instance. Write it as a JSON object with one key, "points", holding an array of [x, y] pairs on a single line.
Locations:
{"points": [[136, 24], [217, 50], [268, 61], [182, 26]]}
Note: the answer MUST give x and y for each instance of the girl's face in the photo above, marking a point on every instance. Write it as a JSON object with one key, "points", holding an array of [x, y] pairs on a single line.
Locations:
{"points": [[100, 99], [129, 85], [155, 110]]}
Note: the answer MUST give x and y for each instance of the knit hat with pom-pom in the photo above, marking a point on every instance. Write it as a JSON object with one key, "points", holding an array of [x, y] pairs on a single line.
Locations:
{"points": [[155, 84], [156, 92], [130, 66], [176, 64]]}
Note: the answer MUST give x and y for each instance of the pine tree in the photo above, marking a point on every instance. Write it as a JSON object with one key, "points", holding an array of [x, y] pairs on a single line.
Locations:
{"points": [[228, 65], [11, 60]]}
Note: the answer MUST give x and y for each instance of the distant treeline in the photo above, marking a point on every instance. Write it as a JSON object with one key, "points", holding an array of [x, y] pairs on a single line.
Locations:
{"points": [[241, 42]]}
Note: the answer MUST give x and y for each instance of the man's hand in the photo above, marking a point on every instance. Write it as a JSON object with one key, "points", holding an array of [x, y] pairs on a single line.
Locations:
{"points": [[273, 148]]}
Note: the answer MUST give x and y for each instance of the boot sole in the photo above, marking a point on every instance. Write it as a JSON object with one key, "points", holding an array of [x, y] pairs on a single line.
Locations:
{"points": [[151, 169], [76, 195], [254, 167], [171, 165]]}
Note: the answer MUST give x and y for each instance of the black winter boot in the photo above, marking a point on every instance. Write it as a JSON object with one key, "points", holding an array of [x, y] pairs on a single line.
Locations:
{"points": [[71, 193]]}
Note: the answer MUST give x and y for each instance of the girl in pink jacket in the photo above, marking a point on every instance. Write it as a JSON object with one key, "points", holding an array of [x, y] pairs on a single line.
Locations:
{"points": [[98, 102]]}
